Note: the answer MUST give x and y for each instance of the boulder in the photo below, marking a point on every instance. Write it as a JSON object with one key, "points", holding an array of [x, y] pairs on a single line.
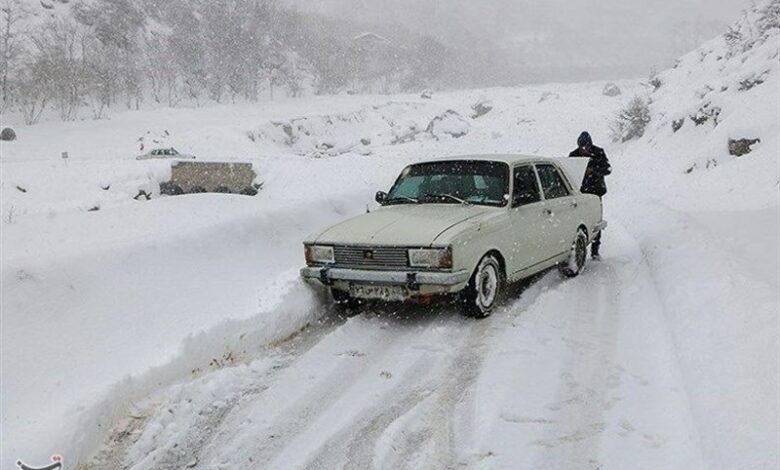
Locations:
{"points": [[739, 147], [448, 123], [7, 134], [610, 89]]}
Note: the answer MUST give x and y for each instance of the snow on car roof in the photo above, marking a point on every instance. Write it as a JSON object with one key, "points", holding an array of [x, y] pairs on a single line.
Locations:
{"points": [[495, 157]]}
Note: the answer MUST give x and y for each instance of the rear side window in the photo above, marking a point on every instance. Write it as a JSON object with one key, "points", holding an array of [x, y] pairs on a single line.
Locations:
{"points": [[552, 182], [526, 190]]}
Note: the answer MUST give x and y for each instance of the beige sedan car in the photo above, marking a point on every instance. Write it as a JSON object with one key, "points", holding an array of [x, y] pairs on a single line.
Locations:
{"points": [[464, 225]]}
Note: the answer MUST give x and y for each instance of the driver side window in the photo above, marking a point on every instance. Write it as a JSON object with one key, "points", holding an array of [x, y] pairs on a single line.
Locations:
{"points": [[526, 189]]}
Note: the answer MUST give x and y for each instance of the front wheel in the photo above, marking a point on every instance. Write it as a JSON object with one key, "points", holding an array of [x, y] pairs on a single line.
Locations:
{"points": [[484, 289], [577, 255]]}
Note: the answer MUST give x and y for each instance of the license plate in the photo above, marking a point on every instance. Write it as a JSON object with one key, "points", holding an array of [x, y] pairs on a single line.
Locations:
{"points": [[389, 293]]}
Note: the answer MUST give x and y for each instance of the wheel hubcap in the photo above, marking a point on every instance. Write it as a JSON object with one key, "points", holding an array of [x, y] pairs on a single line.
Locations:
{"points": [[488, 285]]}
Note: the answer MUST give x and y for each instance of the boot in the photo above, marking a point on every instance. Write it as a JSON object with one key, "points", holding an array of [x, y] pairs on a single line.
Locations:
{"points": [[594, 252]]}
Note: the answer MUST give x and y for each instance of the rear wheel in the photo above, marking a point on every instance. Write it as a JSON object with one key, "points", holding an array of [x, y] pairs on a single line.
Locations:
{"points": [[577, 255], [484, 289]]}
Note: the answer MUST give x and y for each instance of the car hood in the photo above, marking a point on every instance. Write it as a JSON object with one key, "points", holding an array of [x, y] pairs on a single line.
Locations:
{"points": [[403, 224]]}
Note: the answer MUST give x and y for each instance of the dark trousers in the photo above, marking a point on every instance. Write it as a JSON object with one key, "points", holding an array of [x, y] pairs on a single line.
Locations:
{"points": [[596, 244]]}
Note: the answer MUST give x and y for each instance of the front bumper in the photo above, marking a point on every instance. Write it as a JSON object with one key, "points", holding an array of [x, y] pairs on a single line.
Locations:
{"points": [[418, 282], [600, 225]]}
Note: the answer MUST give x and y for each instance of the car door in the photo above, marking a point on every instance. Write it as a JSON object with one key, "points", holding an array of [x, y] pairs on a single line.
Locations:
{"points": [[530, 245], [559, 207]]}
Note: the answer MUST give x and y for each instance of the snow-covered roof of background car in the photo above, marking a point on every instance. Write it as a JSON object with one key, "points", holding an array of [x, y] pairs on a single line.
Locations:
{"points": [[497, 157]]}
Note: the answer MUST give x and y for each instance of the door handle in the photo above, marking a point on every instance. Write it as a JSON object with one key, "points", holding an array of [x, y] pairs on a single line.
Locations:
{"points": [[547, 212], [574, 204]]}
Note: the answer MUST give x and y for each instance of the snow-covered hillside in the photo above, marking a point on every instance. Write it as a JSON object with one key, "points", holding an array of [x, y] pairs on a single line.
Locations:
{"points": [[174, 332], [726, 91]]}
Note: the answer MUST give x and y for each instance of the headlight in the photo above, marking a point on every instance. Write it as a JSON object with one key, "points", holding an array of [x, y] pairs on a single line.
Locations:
{"points": [[431, 258], [319, 254]]}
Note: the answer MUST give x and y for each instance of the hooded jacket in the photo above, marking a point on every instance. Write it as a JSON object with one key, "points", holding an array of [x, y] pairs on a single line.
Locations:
{"points": [[598, 165]]}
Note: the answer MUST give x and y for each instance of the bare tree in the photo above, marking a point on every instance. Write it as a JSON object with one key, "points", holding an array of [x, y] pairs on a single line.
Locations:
{"points": [[12, 12], [32, 95], [59, 65]]}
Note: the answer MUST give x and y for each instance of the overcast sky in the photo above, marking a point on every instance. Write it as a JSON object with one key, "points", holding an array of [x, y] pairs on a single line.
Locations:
{"points": [[542, 40]]}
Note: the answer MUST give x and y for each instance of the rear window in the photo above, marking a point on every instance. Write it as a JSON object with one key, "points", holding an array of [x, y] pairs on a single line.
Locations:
{"points": [[552, 182]]}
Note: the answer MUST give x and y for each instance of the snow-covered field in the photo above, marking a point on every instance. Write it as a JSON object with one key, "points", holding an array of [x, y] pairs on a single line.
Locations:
{"points": [[175, 332]]}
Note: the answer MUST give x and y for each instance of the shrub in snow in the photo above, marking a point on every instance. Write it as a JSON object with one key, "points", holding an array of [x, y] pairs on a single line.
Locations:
{"points": [[143, 194], [739, 147], [655, 81], [752, 81], [631, 121], [7, 134], [677, 124], [610, 89], [760, 22], [705, 113]]}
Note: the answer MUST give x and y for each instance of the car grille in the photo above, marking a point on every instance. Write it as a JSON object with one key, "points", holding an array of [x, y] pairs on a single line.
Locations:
{"points": [[371, 257]]}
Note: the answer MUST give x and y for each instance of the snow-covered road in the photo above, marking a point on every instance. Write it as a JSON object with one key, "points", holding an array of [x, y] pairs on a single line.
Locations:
{"points": [[184, 337], [569, 374]]}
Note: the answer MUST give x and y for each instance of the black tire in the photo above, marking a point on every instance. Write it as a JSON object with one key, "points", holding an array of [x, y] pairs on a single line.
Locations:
{"points": [[485, 288], [577, 255], [249, 191]]}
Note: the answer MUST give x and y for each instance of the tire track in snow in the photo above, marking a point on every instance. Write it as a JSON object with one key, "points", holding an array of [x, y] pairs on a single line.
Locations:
{"points": [[588, 374], [583, 376], [315, 397], [426, 407]]}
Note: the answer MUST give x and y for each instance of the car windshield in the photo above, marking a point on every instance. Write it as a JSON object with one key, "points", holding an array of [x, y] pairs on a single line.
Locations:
{"points": [[452, 182]]}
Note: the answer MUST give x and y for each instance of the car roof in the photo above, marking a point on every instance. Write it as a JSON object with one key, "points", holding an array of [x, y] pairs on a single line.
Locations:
{"points": [[496, 157]]}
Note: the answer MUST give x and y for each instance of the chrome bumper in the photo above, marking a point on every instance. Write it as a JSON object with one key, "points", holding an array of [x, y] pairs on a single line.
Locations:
{"points": [[410, 279]]}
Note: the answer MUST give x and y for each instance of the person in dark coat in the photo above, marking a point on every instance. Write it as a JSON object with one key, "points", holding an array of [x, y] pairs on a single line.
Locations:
{"points": [[593, 182]]}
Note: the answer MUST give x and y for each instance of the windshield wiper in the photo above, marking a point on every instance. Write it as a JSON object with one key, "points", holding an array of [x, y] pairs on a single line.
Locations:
{"points": [[402, 198], [454, 198]]}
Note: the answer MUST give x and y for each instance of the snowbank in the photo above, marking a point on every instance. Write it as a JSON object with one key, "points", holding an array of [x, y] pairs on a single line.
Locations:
{"points": [[93, 315]]}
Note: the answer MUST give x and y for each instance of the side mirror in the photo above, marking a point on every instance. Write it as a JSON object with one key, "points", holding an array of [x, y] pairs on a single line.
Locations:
{"points": [[380, 197]]}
